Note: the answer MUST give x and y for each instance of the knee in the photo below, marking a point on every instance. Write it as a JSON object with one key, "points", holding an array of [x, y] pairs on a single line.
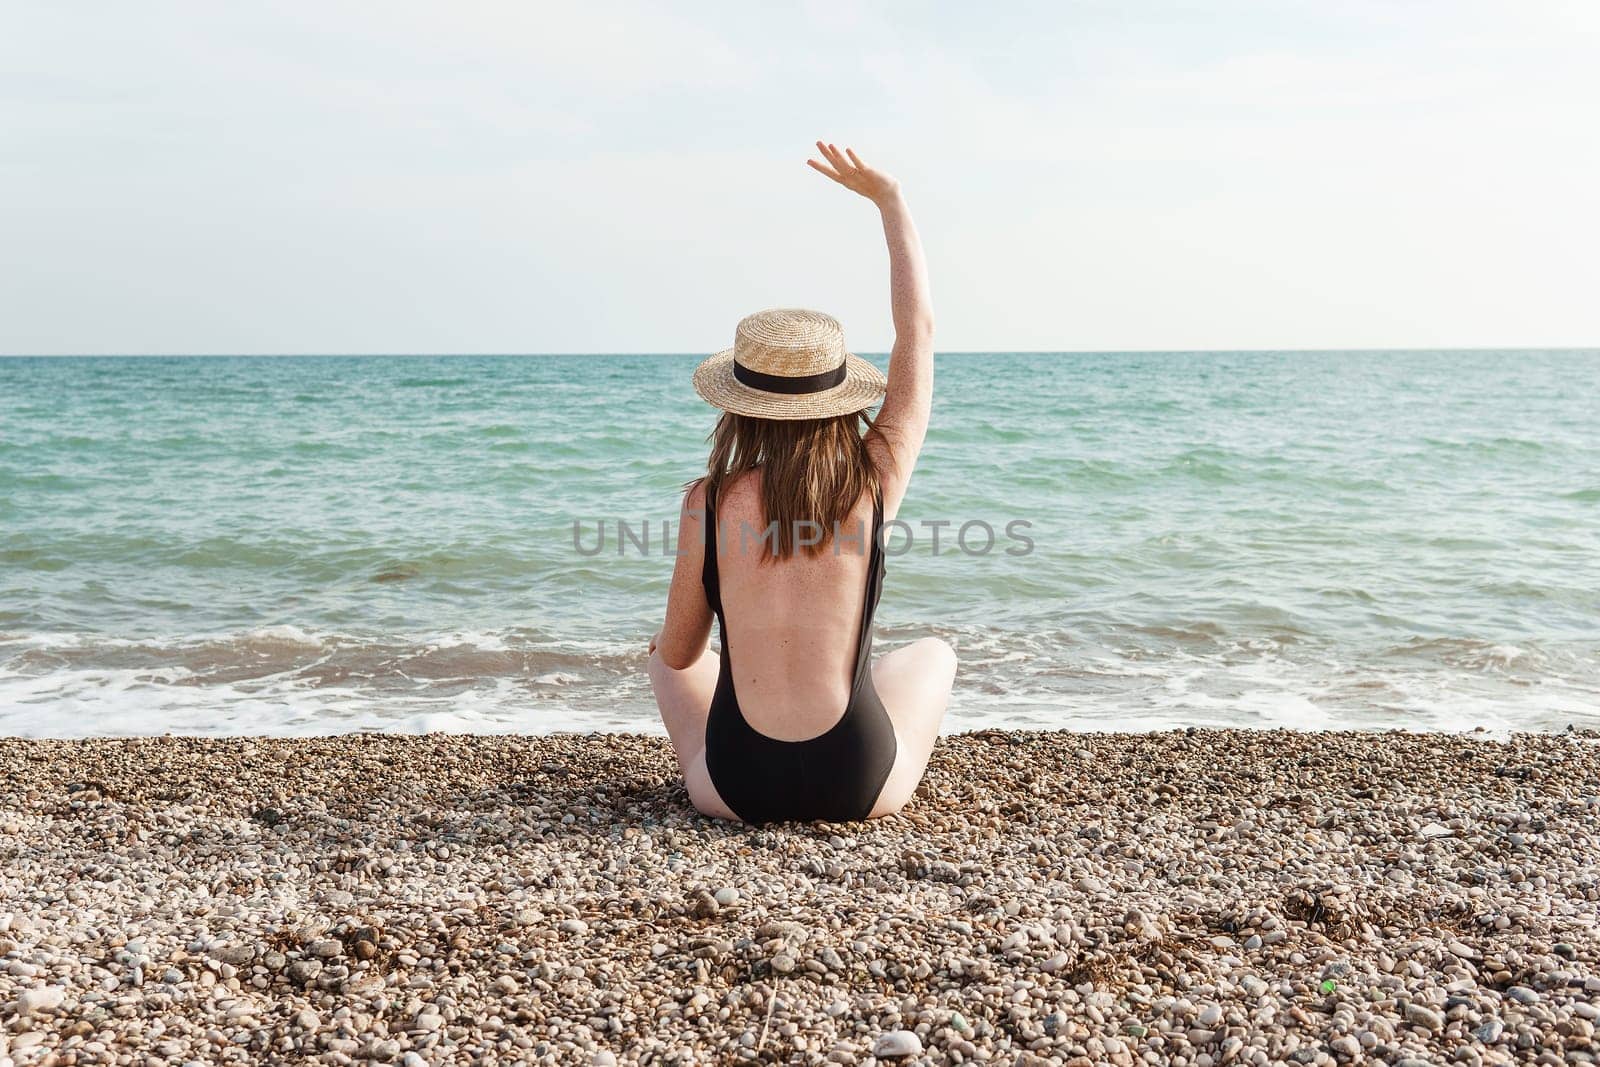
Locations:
{"points": [[940, 654], [658, 668]]}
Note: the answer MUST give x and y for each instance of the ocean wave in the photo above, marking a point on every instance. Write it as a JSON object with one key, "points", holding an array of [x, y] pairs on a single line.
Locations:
{"points": [[288, 680]]}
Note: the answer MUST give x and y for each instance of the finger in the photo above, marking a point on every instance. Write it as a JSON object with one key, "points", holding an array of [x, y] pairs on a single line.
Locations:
{"points": [[851, 152], [823, 169], [836, 157]]}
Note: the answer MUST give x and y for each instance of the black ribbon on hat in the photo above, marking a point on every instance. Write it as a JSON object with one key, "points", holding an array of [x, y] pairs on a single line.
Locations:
{"points": [[778, 383]]}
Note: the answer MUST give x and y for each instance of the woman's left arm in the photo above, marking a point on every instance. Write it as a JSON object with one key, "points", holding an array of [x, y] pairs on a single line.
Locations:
{"points": [[682, 639]]}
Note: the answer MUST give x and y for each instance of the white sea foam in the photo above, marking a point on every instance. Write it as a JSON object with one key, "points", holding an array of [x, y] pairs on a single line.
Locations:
{"points": [[335, 684]]}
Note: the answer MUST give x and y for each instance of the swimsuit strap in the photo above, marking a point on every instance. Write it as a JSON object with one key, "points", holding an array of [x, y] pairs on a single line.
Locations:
{"points": [[869, 603], [710, 578]]}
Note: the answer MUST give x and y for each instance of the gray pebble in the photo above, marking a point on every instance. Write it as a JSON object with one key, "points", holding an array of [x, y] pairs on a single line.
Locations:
{"points": [[1420, 1015]]}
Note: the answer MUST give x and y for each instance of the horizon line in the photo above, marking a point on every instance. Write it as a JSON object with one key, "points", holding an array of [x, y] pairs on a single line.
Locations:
{"points": [[866, 352]]}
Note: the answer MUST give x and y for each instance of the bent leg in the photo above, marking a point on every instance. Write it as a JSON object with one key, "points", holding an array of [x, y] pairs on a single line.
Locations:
{"points": [[684, 700], [914, 684]]}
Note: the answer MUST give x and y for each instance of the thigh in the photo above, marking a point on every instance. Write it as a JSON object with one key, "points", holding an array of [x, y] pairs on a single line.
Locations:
{"points": [[914, 684], [684, 699]]}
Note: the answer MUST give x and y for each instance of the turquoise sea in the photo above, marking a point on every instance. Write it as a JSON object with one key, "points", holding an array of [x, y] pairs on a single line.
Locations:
{"points": [[322, 544]]}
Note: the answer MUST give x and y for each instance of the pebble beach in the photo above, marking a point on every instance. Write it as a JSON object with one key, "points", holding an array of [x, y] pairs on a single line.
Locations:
{"points": [[1195, 897]]}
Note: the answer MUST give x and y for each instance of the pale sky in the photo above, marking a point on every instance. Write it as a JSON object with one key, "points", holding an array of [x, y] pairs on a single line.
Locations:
{"points": [[521, 177]]}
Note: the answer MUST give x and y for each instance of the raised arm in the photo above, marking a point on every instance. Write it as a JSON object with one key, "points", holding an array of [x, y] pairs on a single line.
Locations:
{"points": [[902, 422]]}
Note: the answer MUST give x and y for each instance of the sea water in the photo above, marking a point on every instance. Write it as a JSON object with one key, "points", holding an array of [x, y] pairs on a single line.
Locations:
{"points": [[325, 544]]}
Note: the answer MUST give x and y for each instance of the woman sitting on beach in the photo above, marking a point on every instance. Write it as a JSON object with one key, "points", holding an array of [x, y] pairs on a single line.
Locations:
{"points": [[780, 542]]}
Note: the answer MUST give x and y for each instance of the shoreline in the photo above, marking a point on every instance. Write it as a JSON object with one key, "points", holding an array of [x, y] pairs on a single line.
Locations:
{"points": [[1195, 896]]}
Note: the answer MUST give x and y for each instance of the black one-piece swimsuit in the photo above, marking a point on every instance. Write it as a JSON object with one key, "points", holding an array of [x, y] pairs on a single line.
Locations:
{"points": [[836, 775]]}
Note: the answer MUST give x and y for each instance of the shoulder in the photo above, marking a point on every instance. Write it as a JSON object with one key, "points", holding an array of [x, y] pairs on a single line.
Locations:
{"points": [[692, 512], [691, 520], [694, 498]]}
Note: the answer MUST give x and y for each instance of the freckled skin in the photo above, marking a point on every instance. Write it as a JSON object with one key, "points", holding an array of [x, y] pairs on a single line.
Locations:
{"points": [[793, 625]]}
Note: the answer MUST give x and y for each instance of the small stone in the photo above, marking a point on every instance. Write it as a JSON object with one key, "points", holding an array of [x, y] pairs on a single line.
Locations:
{"points": [[303, 971], [326, 948], [1209, 1016], [782, 963], [40, 999], [428, 1021], [605, 1058], [1419, 1015], [238, 955], [897, 1043], [726, 897], [1522, 995], [703, 905], [573, 926]]}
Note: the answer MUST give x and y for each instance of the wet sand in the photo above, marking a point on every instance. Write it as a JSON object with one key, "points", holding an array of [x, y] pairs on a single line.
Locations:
{"points": [[1200, 897]]}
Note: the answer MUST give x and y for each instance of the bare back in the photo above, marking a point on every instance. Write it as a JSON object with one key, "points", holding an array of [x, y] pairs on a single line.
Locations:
{"points": [[793, 624]]}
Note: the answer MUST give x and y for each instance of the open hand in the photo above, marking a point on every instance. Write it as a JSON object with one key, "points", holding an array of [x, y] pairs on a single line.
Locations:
{"points": [[847, 169]]}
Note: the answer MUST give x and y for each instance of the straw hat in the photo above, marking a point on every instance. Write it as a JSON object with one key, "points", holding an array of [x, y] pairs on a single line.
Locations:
{"points": [[789, 363]]}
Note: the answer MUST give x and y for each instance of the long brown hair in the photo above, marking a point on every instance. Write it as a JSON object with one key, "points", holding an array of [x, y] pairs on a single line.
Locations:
{"points": [[812, 473]]}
